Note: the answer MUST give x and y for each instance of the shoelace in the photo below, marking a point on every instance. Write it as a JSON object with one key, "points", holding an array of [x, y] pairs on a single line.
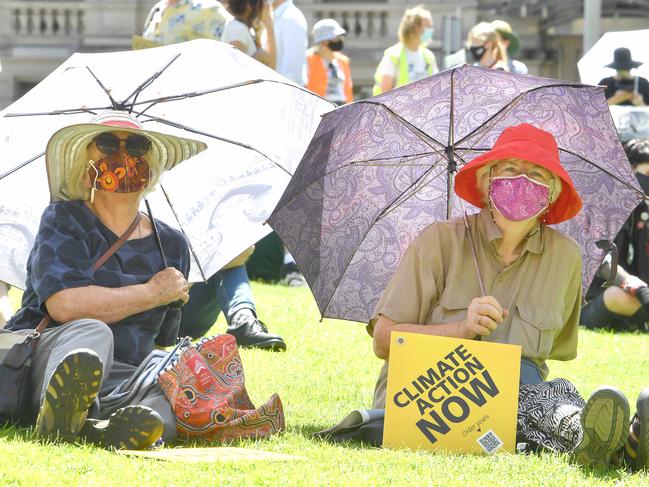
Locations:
{"points": [[256, 325], [259, 325]]}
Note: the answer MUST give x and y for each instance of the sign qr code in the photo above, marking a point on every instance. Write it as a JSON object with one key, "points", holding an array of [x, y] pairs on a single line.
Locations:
{"points": [[490, 442]]}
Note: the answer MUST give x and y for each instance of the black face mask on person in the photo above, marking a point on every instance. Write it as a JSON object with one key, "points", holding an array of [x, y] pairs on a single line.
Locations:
{"points": [[477, 52], [335, 45]]}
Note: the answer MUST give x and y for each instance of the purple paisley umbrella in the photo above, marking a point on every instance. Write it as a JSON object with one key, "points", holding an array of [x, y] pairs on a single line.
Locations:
{"points": [[380, 170]]}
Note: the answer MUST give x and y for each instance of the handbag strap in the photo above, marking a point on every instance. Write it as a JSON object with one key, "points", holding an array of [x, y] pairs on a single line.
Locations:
{"points": [[99, 262]]}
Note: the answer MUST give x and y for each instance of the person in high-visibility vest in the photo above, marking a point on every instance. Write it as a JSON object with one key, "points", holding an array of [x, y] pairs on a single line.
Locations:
{"points": [[328, 72], [409, 60]]}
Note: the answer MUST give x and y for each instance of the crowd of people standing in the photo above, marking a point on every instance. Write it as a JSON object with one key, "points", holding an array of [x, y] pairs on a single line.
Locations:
{"points": [[275, 33]]}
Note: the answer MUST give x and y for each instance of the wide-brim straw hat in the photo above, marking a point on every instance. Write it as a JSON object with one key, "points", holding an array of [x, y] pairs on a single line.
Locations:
{"points": [[66, 161], [528, 143]]}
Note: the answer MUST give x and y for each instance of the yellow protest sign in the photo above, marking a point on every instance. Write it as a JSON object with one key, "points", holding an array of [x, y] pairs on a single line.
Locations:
{"points": [[451, 394]]}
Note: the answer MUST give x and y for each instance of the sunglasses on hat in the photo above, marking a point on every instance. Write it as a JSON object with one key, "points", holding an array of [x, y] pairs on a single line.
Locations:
{"points": [[136, 145]]}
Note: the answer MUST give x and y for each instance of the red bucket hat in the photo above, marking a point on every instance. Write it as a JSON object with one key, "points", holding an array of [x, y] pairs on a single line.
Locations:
{"points": [[528, 143]]}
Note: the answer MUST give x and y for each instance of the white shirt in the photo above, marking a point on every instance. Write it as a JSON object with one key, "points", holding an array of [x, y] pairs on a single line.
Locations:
{"points": [[417, 68], [518, 67], [235, 30], [291, 42], [335, 82]]}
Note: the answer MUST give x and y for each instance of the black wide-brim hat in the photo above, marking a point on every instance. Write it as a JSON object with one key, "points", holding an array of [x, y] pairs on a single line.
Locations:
{"points": [[622, 60]]}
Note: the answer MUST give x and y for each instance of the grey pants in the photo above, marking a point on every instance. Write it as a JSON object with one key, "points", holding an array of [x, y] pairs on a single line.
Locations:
{"points": [[95, 335]]}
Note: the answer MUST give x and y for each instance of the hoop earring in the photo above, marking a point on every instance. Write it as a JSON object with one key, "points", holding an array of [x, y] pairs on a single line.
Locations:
{"points": [[547, 210], [491, 210], [94, 181]]}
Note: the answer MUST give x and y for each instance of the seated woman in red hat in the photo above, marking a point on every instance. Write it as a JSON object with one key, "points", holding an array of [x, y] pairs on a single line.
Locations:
{"points": [[532, 277], [106, 318]]}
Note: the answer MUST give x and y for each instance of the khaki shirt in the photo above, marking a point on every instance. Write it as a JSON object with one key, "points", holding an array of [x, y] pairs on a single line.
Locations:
{"points": [[436, 281]]}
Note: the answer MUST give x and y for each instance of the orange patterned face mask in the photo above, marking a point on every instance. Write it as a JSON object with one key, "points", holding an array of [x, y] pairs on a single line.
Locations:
{"points": [[120, 173]]}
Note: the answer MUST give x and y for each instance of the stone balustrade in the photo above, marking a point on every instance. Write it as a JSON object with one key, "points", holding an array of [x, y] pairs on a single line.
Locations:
{"points": [[367, 24], [53, 18]]}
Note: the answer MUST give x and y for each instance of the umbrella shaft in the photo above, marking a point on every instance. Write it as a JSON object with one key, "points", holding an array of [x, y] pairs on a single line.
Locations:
{"points": [[156, 235]]}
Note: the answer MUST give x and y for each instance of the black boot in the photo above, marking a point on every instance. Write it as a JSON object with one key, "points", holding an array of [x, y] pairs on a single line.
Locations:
{"points": [[250, 332]]}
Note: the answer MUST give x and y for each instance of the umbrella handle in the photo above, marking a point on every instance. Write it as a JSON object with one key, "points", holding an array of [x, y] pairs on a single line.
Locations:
{"points": [[474, 254], [176, 304]]}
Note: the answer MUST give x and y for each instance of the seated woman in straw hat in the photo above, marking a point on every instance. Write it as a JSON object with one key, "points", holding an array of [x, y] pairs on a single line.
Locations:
{"points": [[103, 322], [532, 277]]}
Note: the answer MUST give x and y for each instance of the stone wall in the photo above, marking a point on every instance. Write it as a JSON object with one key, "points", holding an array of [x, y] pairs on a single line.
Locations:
{"points": [[36, 36]]}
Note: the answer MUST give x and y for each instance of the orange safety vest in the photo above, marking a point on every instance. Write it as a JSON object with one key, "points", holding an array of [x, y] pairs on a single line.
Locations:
{"points": [[317, 73]]}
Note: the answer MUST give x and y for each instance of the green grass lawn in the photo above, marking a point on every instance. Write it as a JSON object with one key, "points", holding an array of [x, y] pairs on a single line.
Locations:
{"points": [[328, 371]]}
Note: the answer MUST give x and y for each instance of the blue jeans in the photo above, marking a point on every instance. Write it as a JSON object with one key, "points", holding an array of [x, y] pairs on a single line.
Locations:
{"points": [[227, 290], [530, 373]]}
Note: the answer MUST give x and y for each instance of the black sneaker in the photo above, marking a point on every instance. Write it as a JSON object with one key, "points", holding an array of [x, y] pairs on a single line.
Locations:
{"points": [[250, 332], [128, 428], [604, 422], [70, 392]]}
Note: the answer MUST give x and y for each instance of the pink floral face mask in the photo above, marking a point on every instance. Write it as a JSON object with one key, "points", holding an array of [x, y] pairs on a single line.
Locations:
{"points": [[518, 198]]}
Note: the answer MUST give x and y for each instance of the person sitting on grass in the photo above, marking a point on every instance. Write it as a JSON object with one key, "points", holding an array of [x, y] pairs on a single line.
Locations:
{"points": [[104, 322], [625, 305], [532, 275]]}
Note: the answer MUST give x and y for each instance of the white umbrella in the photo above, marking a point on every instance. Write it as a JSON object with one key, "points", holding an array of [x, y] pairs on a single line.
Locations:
{"points": [[256, 123], [592, 65]]}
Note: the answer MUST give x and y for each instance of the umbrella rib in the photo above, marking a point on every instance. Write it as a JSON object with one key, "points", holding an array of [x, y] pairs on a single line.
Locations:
{"points": [[378, 217], [508, 107], [450, 149], [362, 163], [116, 106], [154, 101], [193, 94], [625, 183], [497, 117], [148, 82], [451, 121], [189, 243], [379, 159], [414, 129], [19, 166], [65, 111], [223, 139], [500, 114], [409, 193]]}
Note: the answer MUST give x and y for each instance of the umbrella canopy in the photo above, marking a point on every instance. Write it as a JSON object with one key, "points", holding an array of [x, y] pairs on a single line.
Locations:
{"points": [[592, 67], [255, 122], [380, 170]]}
